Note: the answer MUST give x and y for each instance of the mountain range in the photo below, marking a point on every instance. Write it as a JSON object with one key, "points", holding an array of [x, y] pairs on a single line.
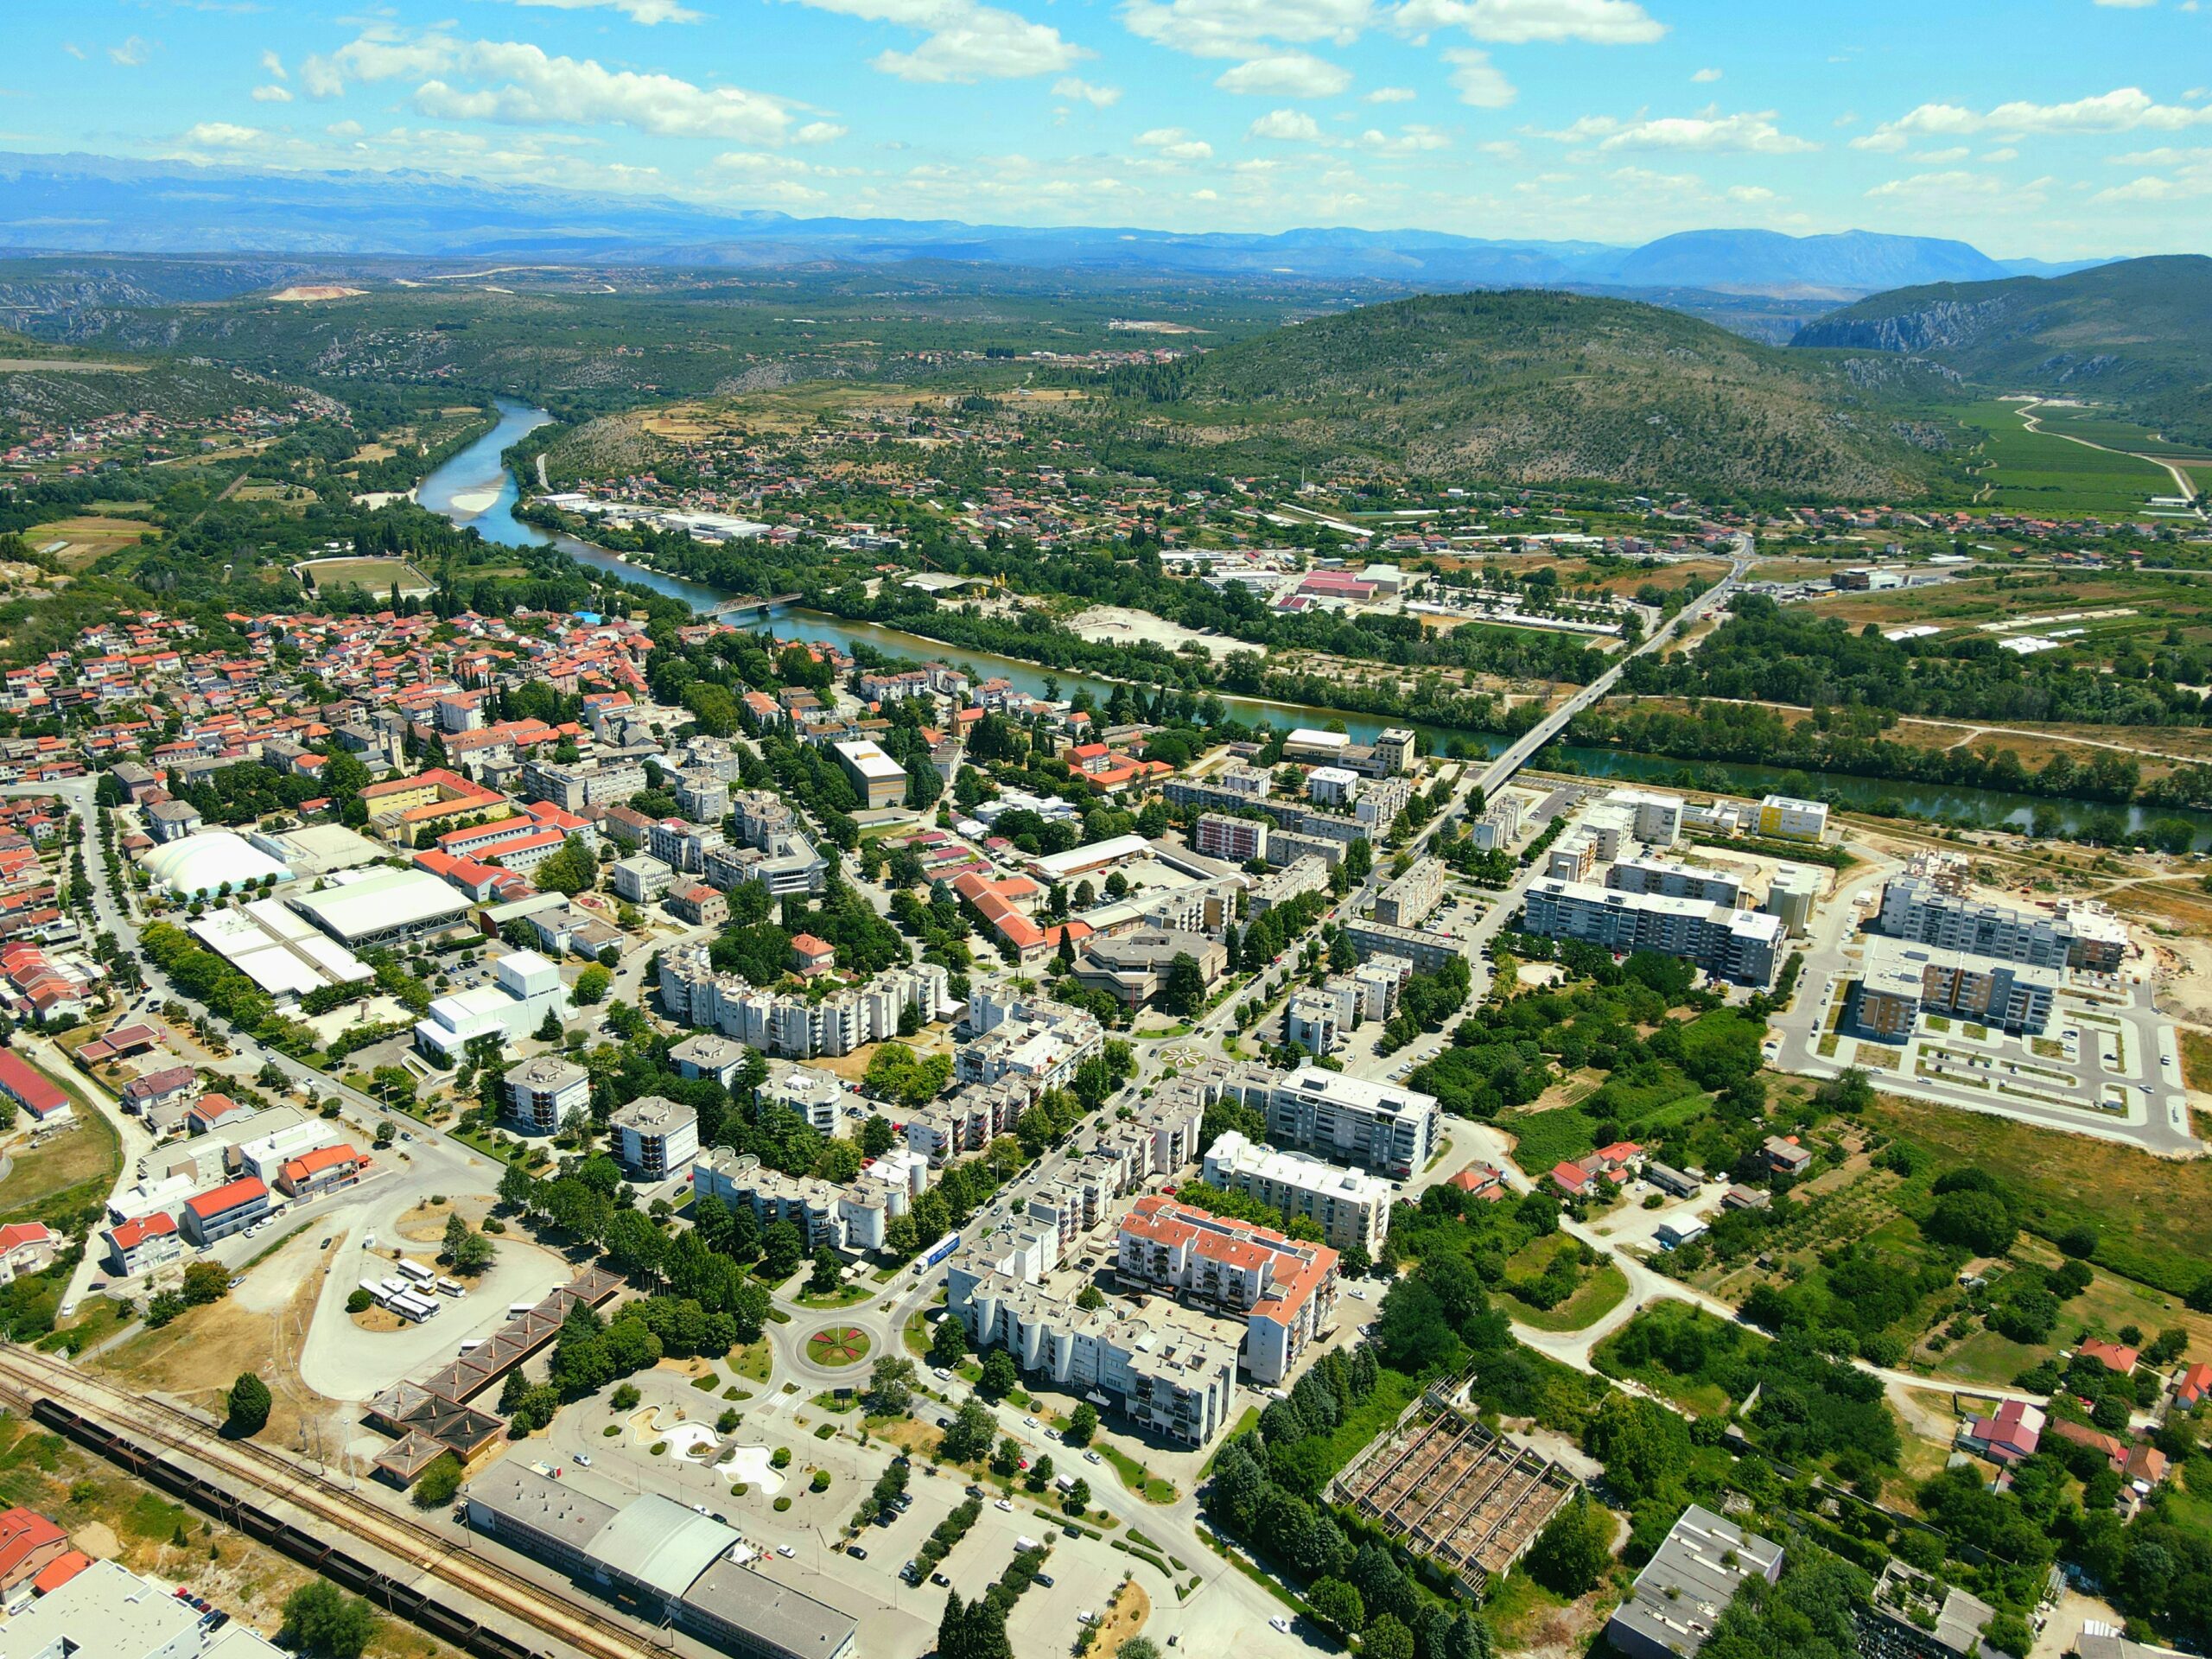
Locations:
{"points": [[82, 203], [2131, 334]]}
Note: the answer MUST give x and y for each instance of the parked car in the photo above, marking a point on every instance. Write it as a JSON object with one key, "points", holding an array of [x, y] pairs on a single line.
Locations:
{"points": [[1279, 1622], [856, 1552], [583, 1459], [787, 1551]]}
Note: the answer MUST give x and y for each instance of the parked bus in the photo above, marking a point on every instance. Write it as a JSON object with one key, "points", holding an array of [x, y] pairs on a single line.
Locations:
{"points": [[450, 1287], [416, 1270]]}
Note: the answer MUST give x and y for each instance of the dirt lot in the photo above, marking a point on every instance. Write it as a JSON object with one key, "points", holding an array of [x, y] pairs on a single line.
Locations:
{"points": [[1115, 624]]}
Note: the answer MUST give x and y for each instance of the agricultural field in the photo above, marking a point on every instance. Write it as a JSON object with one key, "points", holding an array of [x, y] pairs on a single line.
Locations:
{"points": [[86, 538], [373, 576], [2024, 471]]}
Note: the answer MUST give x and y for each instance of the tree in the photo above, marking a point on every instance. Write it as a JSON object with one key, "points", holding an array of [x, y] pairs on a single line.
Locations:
{"points": [[1571, 1553], [321, 1619], [1337, 1605], [877, 1136], [436, 1485], [248, 1401], [1977, 1221], [205, 1282], [969, 1436], [1386, 1637], [1001, 1377], [781, 1247], [1184, 991], [1078, 1498], [947, 1344], [1082, 1423], [828, 1273], [591, 987], [1008, 1459], [891, 1386]]}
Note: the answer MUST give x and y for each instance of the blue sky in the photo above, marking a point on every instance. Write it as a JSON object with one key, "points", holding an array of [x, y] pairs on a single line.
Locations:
{"points": [[2044, 128]]}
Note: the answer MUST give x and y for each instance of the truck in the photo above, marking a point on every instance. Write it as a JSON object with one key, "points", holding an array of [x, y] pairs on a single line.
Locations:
{"points": [[939, 1250]]}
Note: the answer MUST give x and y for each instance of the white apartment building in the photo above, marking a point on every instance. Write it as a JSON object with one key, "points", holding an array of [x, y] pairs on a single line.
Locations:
{"points": [[654, 1138], [693, 992], [1350, 1209], [1037, 1042], [544, 1091], [1379, 1125]]}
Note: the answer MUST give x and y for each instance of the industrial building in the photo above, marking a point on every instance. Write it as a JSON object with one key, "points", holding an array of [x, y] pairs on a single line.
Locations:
{"points": [[681, 1567], [275, 948], [1687, 1583], [1741, 945]]}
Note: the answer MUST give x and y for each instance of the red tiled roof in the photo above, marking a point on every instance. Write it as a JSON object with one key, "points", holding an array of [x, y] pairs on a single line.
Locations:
{"points": [[228, 1197], [59, 1571], [37, 1093], [21, 1533], [131, 1234]]}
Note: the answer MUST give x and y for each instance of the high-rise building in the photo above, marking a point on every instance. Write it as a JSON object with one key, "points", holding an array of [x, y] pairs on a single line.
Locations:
{"points": [[1379, 1125], [1737, 944]]}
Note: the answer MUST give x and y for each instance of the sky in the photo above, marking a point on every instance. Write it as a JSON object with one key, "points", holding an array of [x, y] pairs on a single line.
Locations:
{"points": [[2051, 129]]}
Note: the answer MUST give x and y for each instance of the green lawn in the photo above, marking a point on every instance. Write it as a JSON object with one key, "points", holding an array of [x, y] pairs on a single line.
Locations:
{"points": [[1149, 1487], [1598, 1295], [70, 1175], [754, 1359]]}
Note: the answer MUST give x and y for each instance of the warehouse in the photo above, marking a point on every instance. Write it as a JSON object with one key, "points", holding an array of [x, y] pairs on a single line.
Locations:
{"points": [[383, 908], [673, 1563], [277, 950]]}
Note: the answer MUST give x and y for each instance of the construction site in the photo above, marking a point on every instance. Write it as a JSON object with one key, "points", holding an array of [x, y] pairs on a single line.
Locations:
{"points": [[1468, 1498]]}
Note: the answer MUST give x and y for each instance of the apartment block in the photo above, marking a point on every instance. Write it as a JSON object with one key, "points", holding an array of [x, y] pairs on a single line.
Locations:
{"points": [[1741, 945], [1350, 1209], [1782, 817], [2081, 935], [1237, 840], [691, 990], [1406, 901], [1672, 880], [1037, 1042], [1352, 1120], [1899, 981], [1284, 1289], [654, 1137]]}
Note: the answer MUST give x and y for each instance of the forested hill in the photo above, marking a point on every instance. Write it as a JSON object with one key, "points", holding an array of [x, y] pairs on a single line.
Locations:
{"points": [[1548, 387], [2132, 333]]}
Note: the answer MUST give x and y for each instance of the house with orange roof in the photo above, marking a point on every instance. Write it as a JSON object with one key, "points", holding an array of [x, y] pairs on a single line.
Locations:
{"points": [[324, 1169], [141, 1245], [2112, 1356], [811, 956], [29, 1543]]}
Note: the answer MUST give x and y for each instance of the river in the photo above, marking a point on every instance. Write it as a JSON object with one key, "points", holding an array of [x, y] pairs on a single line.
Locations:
{"points": [[475, 491]]}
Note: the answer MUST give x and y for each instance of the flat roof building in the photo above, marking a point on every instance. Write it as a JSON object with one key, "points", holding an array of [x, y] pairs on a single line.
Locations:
{"points": [[1378, 1124], [680, 1566], [1350, 1209], [878, 779], [382, 907], [1687, 1583], [1728, 944]]}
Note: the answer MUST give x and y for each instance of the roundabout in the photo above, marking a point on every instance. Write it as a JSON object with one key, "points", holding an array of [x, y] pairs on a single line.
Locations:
{"points": [[837, 1345]]}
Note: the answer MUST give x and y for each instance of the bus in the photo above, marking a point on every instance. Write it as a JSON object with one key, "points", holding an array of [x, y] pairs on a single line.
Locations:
{"points": [[415, 1270], [450, 1287]]}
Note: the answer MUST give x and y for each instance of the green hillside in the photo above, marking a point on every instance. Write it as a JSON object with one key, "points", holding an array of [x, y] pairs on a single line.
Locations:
{"points": [[1547, 388], [2130, 334]]}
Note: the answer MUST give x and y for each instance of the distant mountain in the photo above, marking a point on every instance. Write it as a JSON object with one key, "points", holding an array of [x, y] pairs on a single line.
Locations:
{"points": [[2132, 332], [1550, 388], [1848, 264], [99, 204]]}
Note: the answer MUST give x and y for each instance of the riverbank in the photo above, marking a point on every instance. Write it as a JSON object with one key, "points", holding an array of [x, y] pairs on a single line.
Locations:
{"points": [[481, 466]]}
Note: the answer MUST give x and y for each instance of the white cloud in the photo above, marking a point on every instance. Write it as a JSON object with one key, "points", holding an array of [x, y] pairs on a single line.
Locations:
{"points": [[1408, 141], [962, 40], [1291, 124], [1084, 91], [1175, 144], [1391, 95], [2004, 154], [1704, 75], [1751, 194], [1953, 185], [273, 65], [221, 135], [1939, 157], [1477, 80], [2125, 5], [271, 93], [647, 12], [520, 84], [819, 132], [1516, 22], [1286, 74], [1751, 132], [1241, 29], [2126, 108], [132, 52]]}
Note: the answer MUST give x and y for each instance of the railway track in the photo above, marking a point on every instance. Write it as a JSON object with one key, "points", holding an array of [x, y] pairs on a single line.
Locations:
{"points": [[34, 1377]]}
